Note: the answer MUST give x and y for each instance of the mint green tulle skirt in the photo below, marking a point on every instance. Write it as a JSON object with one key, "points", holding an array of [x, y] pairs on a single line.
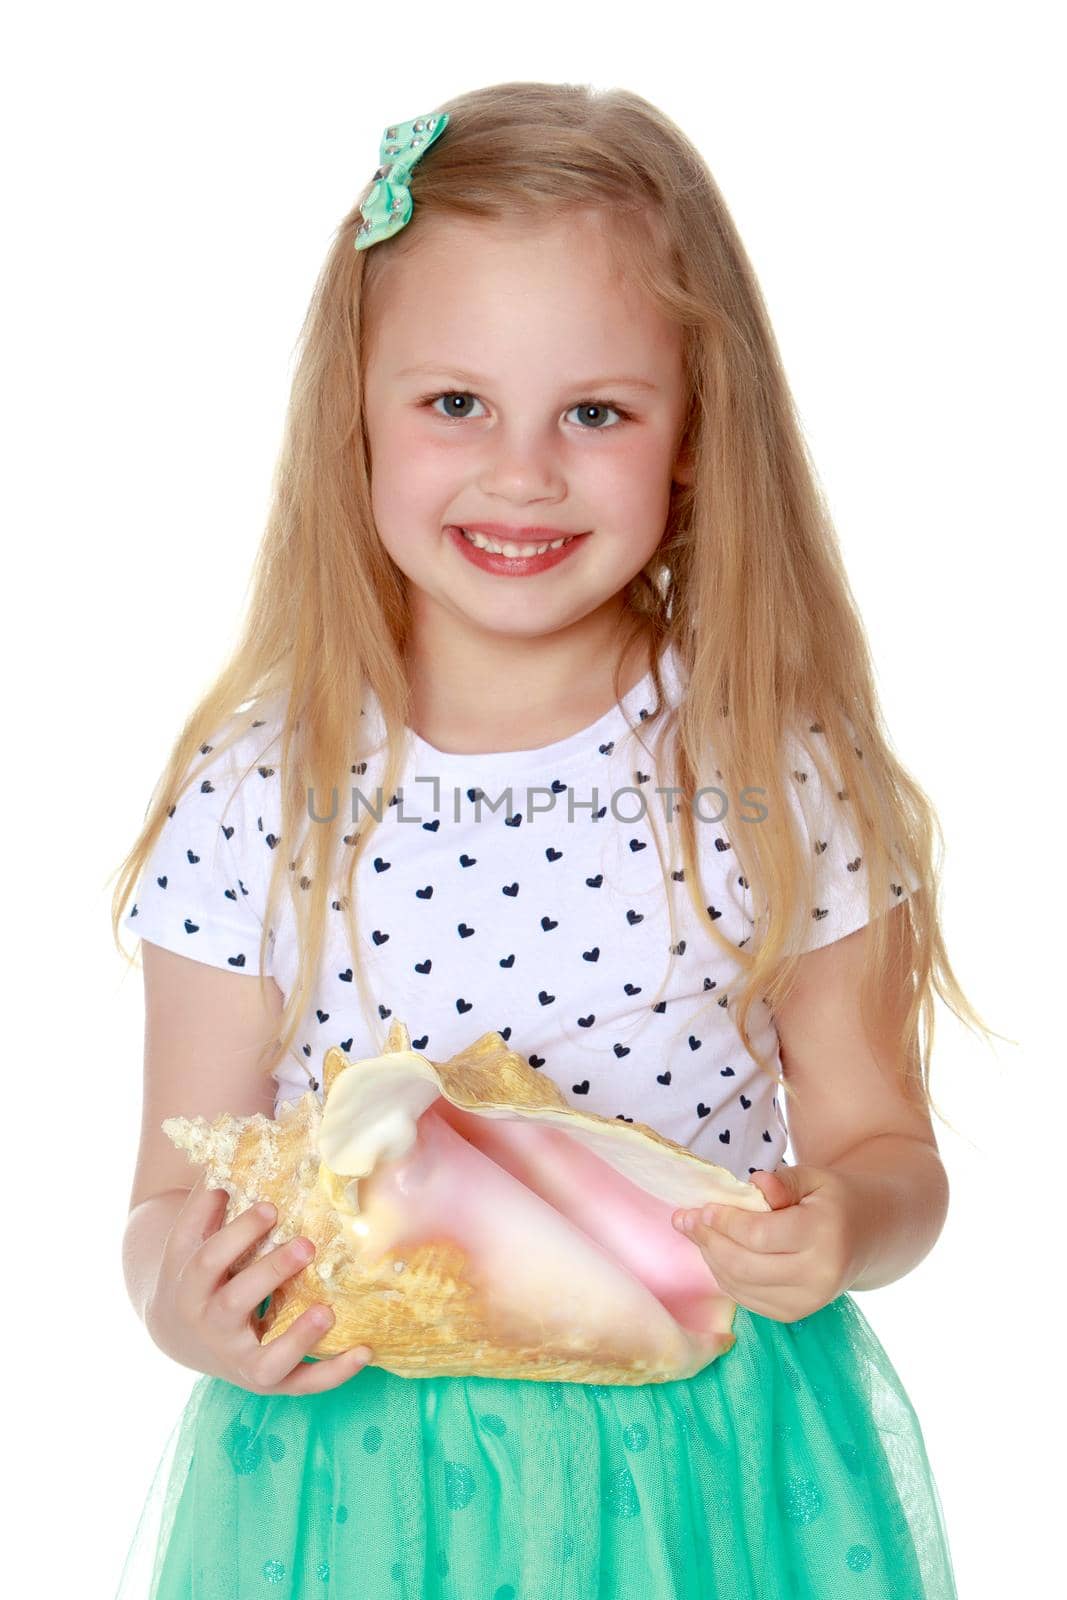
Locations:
{"points": [[793, 1467]]}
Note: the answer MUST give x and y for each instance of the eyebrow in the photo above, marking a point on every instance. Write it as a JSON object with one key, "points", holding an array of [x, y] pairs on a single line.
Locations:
{"points": [[476, 378]]}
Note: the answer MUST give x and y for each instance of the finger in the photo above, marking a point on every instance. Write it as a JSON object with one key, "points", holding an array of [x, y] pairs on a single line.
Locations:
{"points": [[240, 1296], [741, 1265], [312, 1377], [210, 1261], [764, 1232], [199, 1216], [279, 1365]]}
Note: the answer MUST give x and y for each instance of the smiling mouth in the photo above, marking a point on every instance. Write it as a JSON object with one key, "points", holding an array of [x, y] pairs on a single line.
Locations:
{"points": [[517, 550]]}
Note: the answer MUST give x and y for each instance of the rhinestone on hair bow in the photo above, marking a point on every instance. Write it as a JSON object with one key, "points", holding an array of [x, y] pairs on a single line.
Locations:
{"points": [[387, 207]]}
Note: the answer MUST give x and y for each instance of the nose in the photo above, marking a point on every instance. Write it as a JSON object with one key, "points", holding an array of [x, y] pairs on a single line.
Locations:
{"points": [[522, 465]]}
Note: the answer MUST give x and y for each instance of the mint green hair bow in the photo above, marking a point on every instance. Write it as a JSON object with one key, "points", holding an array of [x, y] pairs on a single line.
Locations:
{"points": [[388, 206]]}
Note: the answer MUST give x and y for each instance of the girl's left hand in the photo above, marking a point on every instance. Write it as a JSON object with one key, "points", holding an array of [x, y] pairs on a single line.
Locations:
{"points": [[788, 1262]]}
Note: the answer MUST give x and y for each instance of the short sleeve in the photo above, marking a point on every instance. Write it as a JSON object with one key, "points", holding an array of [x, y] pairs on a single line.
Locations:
{"points": [[829, 831], [197, 895]]}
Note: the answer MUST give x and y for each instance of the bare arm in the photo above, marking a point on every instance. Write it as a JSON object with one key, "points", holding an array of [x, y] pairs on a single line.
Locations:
{"points": [[142, 1244], [207, 1034], [850, 1113], [900, 1202], [205, 1031]]}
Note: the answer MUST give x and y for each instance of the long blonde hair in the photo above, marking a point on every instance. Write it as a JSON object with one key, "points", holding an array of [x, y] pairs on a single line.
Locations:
{"points": [[747, 586]]}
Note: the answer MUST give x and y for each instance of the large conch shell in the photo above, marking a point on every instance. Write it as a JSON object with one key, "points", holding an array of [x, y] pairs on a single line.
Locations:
{"points": [[468, 1220]]}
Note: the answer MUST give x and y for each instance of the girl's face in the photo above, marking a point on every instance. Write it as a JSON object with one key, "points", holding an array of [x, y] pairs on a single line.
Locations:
{"points": [[549, 395]]}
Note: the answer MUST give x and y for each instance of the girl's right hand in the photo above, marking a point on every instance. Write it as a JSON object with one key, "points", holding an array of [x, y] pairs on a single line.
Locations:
{"points": [[202, 1317]]}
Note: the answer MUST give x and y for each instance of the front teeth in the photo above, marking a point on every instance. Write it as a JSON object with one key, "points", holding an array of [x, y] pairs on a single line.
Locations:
{"points": [[509, 549]]}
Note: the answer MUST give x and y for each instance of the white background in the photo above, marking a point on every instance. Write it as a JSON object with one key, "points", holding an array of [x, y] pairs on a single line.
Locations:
{"points": [[173, 176]]}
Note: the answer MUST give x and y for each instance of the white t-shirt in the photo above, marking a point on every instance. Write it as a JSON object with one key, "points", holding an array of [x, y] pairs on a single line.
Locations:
{"points": [[528, 913]]}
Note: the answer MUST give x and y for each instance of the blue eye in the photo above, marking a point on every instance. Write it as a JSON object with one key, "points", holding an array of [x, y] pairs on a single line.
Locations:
{"points": [[450, 394], [599, 409], [601, 406]]}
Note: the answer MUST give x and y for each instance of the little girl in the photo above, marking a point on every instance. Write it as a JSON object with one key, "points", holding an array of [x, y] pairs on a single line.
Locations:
{"points": [[553, 716]]}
